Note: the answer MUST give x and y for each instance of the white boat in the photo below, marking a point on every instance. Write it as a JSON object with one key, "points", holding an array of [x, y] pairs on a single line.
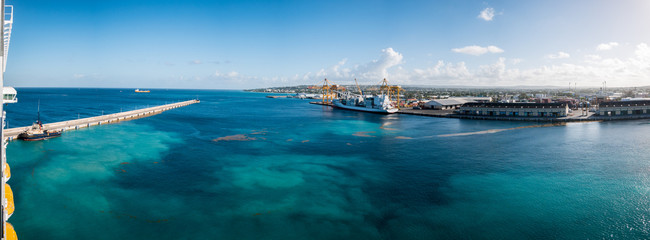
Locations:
{"points": [[374, 104]]}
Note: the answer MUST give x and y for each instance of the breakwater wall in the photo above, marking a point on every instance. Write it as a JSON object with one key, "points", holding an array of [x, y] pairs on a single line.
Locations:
{"points": [[12, 133]]}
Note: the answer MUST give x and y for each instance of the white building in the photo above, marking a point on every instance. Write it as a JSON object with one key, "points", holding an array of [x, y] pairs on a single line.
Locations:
{"points": [[453, 103]]}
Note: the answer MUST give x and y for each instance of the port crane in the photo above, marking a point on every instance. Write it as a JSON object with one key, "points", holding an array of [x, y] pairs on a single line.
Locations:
{"points": [[358, 88], [330, 90], [393, 91]]}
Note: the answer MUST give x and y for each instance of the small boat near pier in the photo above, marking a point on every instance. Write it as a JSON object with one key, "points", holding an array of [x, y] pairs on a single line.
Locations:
{"points": [[36, 131]]}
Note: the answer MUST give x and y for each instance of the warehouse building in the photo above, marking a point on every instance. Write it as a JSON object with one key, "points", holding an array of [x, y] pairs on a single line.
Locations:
{"points": [[442, 104], [623, 108], [515, 109], [453, 103]]}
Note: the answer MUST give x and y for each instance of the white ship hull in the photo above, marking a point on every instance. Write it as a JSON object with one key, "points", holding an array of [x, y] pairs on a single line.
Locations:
{"points": [[338, 104]]}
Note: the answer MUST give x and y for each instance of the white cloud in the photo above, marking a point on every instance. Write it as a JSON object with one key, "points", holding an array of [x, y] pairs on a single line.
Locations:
{"points": [[379, 68], [592, 57], [374, 70], [487, 14], [494, 49], [591, 71], [606, 46], [643, 53], [441, 71], [231, 74], [477, 50], [338, 70], [558, 55]]}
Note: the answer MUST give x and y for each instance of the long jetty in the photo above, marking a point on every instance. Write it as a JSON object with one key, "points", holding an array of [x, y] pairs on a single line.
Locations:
{"points": [[12, 133]]}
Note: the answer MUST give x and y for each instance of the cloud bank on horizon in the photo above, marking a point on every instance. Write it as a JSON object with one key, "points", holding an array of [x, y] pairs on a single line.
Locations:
{"points": [[592, 69], [478, 50]]}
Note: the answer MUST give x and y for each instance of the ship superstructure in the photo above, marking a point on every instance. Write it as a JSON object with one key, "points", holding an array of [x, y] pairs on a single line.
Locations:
{"points": [[9, 96]]}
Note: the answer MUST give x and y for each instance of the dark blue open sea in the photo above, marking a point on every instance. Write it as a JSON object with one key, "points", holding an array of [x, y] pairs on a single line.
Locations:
{"points": [[239, 165]]}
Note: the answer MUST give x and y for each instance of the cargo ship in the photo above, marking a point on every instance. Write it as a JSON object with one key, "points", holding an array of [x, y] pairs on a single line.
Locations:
{"points": [[142, 91], [380, 103], [374, 104]]}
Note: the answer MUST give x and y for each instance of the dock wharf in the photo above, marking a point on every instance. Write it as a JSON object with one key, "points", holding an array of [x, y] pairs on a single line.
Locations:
{"points": [[577, 116], [321, 103], [589, 117], [450, 114], [12, 133]]}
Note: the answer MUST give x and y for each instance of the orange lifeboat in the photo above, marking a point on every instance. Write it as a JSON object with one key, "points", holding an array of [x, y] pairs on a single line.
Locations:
{"points": [[7, 172], [11, 233], [9, 195]]}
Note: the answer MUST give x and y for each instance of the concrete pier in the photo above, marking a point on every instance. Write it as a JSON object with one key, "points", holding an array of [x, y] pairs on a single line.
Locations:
{"points": [[12, 133]]}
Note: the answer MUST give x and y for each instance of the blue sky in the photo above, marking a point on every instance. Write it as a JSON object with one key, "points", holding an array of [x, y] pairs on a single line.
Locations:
{"points": [[247, 44]]}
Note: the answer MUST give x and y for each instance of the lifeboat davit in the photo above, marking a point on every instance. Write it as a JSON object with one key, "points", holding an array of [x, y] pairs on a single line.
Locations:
{"points": [[11, 233], [7, 171], [9, 195]]}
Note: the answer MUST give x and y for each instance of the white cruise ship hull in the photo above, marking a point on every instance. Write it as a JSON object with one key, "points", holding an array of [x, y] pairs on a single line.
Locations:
{"points": [[338, 104]]}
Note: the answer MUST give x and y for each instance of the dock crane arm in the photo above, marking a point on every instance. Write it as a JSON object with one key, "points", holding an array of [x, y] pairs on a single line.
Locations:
{"points": [[360, 92]]}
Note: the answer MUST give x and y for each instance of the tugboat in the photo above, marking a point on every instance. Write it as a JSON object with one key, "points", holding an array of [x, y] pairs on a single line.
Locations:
{"points": [[36, 131]]}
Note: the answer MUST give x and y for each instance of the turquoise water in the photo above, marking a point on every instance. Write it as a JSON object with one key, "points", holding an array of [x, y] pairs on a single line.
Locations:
{"points": [[285, 169]]}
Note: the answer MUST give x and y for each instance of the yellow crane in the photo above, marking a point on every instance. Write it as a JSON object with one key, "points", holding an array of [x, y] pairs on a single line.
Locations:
{"points": [[358, 88], [391, 91], [329, 90]]}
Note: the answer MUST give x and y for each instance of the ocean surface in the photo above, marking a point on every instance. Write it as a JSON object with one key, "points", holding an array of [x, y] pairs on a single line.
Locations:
{"points": [[239, 165]]}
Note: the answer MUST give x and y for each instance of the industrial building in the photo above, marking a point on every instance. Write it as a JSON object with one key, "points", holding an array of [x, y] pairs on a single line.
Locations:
{"points": [[623, 108], [515, 109], [453, 103]]}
